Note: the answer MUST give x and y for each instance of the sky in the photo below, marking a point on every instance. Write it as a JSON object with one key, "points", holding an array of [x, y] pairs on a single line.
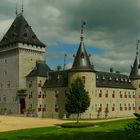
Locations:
{"points": [[110, 35]]}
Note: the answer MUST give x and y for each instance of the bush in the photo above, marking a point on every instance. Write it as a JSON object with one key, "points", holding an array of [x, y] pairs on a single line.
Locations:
{"points": [[133, 128], [77, 125]]}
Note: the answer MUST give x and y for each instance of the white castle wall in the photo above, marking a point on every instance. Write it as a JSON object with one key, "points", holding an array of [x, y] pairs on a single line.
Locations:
{"points": [[16, 62]]}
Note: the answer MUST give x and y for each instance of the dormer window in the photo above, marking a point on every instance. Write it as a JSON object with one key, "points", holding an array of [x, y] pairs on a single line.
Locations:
{"points": [[82, 55], [117, 79], [103, 78], [129, 81], [14, 25], [58, 77], [97, 77], [34, 36], [26, 25], [121, 79], [125, 80], [25, 34], [109, 78]]}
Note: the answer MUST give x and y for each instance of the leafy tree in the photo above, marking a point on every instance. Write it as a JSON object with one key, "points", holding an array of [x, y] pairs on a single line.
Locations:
{"points": [[134, 127], [77, 99]]}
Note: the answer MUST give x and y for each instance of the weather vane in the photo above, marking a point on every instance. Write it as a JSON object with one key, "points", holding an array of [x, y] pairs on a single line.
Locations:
{"points": [[138, 41], [16, 10], [22, 9], [83, 23]]}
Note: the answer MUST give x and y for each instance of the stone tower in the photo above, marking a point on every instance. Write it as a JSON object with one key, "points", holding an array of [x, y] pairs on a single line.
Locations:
{"points": [[19, 50], [82, 68], [135, 78]]}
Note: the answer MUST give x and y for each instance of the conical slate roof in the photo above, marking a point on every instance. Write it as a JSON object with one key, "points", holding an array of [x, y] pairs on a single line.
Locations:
{"points": [[135, 71], [81, 61], [20, 31]]}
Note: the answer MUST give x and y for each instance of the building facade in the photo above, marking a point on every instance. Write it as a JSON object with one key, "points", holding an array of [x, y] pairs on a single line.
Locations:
{"points": [[28, 85]]}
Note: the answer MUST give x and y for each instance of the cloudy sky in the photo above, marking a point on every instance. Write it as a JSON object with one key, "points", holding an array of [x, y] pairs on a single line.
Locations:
{"points": [[111, 32]]}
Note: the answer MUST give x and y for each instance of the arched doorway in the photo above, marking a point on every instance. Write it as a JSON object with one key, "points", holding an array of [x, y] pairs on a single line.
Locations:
{"points": [[22, 105]]}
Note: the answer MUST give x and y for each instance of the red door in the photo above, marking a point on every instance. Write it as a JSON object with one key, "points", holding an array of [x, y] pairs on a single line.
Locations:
{"points": [[22, 105]]}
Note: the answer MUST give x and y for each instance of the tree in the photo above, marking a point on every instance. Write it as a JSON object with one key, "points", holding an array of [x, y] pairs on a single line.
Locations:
{"points": [[77, 99], [134, 127]]}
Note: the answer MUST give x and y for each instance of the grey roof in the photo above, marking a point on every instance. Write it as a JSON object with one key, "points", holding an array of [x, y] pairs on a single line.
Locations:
{"points": [[57, 79], [20, 31], [113, 80], [81, 61], [135, 71], [41, 69]]}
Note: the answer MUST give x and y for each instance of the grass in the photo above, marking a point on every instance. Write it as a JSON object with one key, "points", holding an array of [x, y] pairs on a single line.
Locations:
{"points": [[113, 130], [77, 125]]}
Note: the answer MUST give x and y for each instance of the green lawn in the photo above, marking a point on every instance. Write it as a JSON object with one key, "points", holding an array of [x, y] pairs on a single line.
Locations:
{"points": [[102, 131]]}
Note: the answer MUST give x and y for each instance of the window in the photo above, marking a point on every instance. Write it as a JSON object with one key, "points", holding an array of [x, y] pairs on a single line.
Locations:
{"points": [[40, 83], [133, 107], [5, 60], [133, 95], [100, 108], [56, 108], [44, 109], [30, 84], [39, 95], [106, 95], [8, 84], [4, 99], [97, 77], [129, 106], [109, 78], [121, 107], [113, 95], [113, 107], [116, 79], [30, 95], [121, 95], [5, 73], [103, 78], [125, 107], [100, 95], [39, 109], [56, 93], [125, 95]]}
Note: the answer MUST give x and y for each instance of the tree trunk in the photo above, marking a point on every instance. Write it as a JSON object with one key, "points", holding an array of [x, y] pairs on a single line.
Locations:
{"points": [[77, 117]]}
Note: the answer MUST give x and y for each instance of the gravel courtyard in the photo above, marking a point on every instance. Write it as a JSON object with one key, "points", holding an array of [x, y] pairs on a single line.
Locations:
{"points": [[8, 123]]}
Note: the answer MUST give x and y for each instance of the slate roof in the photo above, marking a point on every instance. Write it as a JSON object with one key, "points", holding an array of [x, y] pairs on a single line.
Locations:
{"points": [[57, 79], [20, 31], [41, 69], [113, 80], [81, 61], [135, 71]]}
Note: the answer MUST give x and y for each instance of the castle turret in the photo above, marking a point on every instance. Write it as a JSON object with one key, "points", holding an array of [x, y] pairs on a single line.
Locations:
{"points": [[135, 78], [82, 68]]}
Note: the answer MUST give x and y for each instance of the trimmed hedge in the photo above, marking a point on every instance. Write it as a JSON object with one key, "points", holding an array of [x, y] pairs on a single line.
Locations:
{"points": [[76, 125]]}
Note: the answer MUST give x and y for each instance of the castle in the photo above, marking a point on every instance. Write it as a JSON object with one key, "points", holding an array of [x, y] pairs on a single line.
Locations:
{"points": [[27, 84]]}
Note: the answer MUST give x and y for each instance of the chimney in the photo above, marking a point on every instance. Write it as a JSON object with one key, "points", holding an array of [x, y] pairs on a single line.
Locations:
{"points": [[112, 70]]}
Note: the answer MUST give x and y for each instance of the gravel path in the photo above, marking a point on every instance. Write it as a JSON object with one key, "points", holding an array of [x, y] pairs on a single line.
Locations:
{"points": [[8, 123]]}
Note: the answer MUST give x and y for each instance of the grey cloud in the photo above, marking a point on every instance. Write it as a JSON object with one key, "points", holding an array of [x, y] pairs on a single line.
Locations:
{"points": [[112, 25]]}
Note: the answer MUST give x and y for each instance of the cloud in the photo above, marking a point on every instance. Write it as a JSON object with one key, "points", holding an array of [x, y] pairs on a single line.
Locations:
{"points": [[111, 25]]}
